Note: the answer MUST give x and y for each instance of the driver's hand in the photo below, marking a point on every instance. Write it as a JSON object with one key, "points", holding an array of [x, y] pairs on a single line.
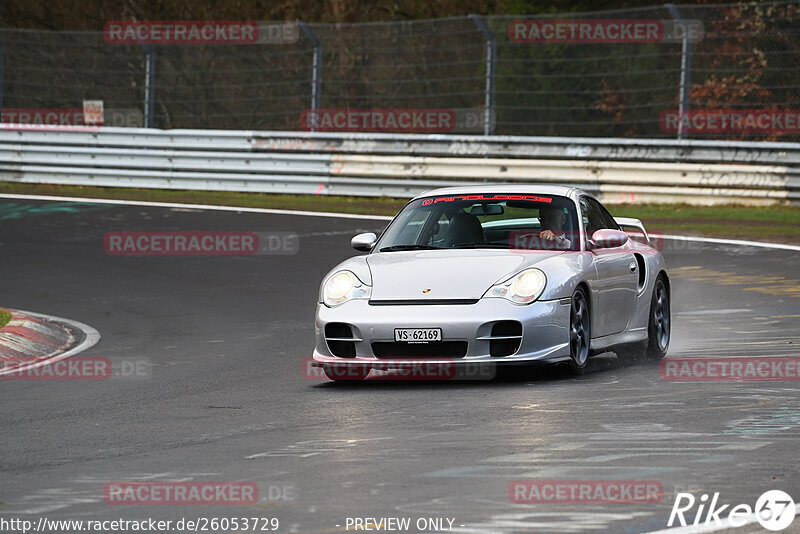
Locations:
{"points": [[547, 234]]}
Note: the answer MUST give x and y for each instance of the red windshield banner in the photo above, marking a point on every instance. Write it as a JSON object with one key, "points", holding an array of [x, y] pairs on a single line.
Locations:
{"points": [[478, 198]]}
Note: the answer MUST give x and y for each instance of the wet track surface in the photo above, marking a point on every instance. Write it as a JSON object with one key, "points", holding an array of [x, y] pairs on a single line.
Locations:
{"points": [[225, 399]]}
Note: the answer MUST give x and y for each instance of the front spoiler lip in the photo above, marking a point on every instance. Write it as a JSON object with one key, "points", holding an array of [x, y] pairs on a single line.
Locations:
{"points": [[320, 360]]}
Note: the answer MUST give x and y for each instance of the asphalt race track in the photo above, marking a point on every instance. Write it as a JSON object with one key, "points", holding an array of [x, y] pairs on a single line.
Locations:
{"points": [[224, 399]]}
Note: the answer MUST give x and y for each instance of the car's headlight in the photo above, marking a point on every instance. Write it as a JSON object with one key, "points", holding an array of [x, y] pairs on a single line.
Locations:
{"points": [[342, 287], [522, 288]]}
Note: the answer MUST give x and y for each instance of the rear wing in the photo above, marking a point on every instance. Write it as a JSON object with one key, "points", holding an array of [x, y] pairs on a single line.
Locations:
{"points": [[627, 222]]}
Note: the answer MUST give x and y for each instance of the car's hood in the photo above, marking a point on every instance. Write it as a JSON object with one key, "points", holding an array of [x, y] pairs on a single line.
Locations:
{"points": [[444, 274]]}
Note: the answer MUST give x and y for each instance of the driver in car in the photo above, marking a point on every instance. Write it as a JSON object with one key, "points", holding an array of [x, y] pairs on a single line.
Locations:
{"points": [[552, 221]]}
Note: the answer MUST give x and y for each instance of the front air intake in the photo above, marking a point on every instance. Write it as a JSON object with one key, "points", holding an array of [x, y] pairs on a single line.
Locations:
{"points": [[505, 339], [340, 339]]}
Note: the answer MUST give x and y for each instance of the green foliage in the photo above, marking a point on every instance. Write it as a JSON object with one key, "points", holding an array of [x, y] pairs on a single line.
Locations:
{"points": [[5, 317], [93, 14]]}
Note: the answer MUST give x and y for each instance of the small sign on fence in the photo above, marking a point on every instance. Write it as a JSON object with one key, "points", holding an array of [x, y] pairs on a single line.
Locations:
{"points": [[93, 112]]}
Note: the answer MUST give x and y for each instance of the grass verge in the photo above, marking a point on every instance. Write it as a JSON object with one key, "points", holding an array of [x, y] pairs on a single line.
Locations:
{"points": [[769, 223], [779, 224], [366, 206]]}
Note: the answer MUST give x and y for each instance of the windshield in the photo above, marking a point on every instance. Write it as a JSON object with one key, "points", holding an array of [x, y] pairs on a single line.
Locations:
{"points": [[510, 221]]}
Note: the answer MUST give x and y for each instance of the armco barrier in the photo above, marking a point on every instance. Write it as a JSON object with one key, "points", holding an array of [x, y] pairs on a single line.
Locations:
{"points": [[618, 170]]}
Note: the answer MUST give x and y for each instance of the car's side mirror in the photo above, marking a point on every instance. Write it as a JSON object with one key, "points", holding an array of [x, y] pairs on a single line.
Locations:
{"points": [[607, 238], [364, 242]]}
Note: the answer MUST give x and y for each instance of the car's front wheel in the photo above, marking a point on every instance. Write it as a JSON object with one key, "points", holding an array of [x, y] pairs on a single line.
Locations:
{"points": [[580, 330], [659, 325]]}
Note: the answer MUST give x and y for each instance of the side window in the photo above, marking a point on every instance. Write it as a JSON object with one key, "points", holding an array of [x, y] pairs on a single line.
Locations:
{"points": [[595, 216], [592, 220], [608, 220], [587, 222]]}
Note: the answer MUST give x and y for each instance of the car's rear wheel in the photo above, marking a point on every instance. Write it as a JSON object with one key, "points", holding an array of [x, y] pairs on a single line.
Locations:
{"points": [[580, 330], [659, 325], [342, 373]]}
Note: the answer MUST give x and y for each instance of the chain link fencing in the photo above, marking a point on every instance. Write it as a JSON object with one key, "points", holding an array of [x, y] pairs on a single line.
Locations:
{"points": [[504, 75]]}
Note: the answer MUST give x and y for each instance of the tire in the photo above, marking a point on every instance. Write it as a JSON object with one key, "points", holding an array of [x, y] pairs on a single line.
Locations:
{"points": [[660, 322], [346, 373], [580, 331]]}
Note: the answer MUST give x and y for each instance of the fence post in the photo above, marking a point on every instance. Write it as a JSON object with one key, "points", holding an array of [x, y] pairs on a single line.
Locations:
{"points": [[491, 57], [149, 85], [2, 69], [316, 72], [686, 68]]}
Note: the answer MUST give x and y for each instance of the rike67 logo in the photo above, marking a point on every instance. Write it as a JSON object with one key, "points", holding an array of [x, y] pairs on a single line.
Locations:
{"points": [[774, 510]]}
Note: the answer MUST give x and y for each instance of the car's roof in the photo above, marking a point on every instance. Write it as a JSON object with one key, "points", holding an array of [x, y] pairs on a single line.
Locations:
{"points": [[538, 189]]}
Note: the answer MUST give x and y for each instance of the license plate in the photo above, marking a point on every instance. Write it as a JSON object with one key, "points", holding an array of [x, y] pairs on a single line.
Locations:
{"points": [[417, 335]]}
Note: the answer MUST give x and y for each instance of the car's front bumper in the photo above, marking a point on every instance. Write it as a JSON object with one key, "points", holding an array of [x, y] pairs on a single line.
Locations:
{"points": [[545, 330]]}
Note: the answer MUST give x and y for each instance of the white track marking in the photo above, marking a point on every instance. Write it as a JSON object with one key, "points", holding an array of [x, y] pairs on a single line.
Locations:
{"points": [[92, 337], [720, 311], [738, 242], [198, 207]]}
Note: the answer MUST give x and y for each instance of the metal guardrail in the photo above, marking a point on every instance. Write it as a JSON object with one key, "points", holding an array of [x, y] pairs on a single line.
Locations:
{"points": [[618, 170]]}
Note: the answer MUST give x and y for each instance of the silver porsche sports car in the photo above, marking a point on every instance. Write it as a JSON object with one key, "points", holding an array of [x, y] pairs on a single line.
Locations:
{"points": [[494, 274]]}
